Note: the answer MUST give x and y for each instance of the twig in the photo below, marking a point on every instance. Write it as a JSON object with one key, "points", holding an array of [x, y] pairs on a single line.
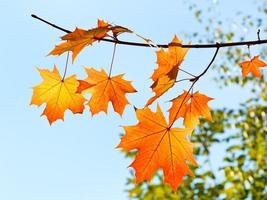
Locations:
{"points": [[215, 45], [209, 65], [184, 79], [258, 34]]}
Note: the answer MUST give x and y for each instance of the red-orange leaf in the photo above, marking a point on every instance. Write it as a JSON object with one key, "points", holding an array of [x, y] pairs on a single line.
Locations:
{"points": [[159, 147], [80, 38], [191, 107], [252, 66], [165, 75], [58, 95], [104, 89]]}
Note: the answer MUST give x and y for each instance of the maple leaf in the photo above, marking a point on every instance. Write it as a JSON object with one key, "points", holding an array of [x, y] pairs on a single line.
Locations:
{"points": [[190, 111], [104, 89], [159, 146], [164, 76], [80, 38], [252, 66], [58, 95]]}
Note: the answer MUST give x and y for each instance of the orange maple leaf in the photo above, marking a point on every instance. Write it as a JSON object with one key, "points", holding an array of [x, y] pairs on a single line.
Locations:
{"points": [[59, 95], [252, 66], [80, 38], [164, 76], [159, 146], [190, 107], [104, 89]]}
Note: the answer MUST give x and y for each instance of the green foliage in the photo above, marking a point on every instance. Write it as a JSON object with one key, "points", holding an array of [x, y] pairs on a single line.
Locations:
{"points": [[242, 132]]}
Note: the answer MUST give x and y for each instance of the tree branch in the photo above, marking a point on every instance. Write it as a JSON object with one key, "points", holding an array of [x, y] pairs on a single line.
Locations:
{"points": [[209, 65], [215, 45]]}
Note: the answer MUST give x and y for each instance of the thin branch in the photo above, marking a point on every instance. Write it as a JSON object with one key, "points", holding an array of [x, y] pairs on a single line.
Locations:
{"points": [[53, 25], [184, 79], [209, 65], [215, 45], [258, 34]]}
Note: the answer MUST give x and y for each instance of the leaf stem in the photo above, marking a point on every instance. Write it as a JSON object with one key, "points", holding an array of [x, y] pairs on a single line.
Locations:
{"points": [[112, 59], [66, 66], [249, 55]]}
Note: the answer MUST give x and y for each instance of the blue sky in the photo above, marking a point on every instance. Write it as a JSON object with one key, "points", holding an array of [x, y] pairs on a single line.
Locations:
{"points": [[77, 159]]}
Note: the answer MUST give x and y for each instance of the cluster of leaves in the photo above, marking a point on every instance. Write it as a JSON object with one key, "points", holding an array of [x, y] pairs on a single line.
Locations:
{"points": [[240, 133], [159, 144], [62, 93]]}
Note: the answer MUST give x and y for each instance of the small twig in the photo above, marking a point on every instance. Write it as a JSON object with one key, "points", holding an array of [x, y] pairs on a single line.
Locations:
{"points": [[184, 79], [209, 65], [53, 25], [258, 34], [243, 43]]}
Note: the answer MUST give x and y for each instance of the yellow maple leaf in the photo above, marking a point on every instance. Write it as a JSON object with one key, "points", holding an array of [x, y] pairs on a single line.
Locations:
{"points": [[58, 95]]}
